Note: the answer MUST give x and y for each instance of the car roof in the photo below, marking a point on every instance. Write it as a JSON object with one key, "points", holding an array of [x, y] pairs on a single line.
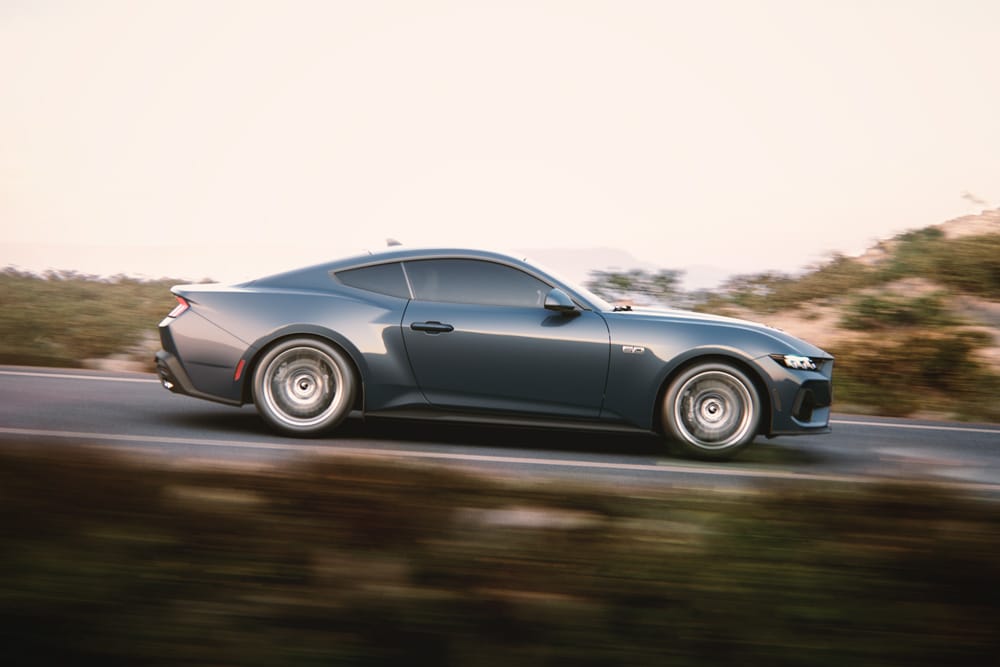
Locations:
{"points": [[397, 253], [313, 273]]}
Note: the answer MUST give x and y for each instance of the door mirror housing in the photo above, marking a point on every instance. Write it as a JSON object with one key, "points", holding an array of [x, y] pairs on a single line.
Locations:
{"points": [[559, 301]]}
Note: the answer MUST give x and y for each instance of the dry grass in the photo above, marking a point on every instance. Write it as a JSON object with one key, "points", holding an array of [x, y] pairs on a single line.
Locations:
{"points": [[65, 318]]}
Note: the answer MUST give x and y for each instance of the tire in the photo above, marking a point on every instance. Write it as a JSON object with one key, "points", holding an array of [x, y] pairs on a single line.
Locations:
{"points": [[711, 410], [304, 386]]}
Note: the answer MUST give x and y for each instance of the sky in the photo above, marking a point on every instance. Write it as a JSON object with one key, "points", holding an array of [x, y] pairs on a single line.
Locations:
{"points": [[229, 139]]}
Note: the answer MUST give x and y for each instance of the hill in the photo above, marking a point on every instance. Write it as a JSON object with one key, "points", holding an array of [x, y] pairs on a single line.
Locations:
{"points": [[914, 322]]}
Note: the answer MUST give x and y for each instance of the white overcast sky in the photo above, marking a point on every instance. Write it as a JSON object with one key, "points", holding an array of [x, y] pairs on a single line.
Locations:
{"points": [[230, 138]]}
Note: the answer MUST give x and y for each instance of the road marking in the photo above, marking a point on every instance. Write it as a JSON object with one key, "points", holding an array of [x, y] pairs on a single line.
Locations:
{"points": [[925, 427], [70, 376], [715, 469], [844, 422]]}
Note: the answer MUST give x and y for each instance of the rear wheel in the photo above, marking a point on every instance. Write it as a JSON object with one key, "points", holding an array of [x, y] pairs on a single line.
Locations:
{"points": [[711, 410], [303, 386]]}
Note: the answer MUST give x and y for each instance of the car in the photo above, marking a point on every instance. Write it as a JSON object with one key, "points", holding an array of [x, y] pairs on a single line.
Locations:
{"points": [[481, 336]]}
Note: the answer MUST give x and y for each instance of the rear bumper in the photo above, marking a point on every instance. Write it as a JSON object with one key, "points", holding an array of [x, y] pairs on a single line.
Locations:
{"points": [[175, 378]]}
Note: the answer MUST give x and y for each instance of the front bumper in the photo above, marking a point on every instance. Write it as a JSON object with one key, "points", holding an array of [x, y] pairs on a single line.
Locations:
{"points": [[801, 401]]}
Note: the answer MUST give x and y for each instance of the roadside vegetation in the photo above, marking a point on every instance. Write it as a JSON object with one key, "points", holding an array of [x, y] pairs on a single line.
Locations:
{"points": [[900, 373], [902, 343], [355, 562], [898, 353], [964, 265], [62, 318]]}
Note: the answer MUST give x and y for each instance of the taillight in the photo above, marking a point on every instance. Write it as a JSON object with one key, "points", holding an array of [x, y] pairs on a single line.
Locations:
{"points": [[181, 306]]}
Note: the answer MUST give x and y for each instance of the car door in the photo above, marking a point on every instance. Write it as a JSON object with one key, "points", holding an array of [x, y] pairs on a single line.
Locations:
{"points": [[479, 337]]}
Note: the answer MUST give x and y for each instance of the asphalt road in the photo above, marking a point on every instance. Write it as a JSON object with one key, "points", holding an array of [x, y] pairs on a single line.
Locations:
{"points": [[133, 412]]}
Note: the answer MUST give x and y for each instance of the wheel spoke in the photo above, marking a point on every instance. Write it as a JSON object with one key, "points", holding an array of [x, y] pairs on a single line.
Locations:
{"points": [[301, 386], [714, 410]]}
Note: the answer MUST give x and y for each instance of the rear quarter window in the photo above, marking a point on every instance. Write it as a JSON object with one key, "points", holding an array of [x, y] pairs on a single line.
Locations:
{"points": [[381, 278]]}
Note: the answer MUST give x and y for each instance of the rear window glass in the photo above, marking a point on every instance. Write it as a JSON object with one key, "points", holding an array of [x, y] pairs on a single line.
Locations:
{"points": [[381, 278]]}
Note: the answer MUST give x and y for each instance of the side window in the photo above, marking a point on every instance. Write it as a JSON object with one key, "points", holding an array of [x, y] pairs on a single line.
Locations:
{"points": [[474, 281], [381, 278]]}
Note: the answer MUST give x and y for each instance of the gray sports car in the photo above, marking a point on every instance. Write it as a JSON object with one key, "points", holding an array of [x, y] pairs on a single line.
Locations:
{"points": [[472, 335]]}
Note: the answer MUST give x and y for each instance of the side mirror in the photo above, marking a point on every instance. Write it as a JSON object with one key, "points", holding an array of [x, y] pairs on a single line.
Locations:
{"points": [[559, 301]]}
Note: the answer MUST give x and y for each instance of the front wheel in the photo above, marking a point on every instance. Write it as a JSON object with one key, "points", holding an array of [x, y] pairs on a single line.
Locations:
{"points": [[303, 386], [711, 410]]}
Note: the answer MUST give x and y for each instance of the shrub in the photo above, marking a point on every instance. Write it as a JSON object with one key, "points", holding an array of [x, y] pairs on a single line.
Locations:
{"points": [[63, 318], [969, 264], [868, 312], [903, 371]]}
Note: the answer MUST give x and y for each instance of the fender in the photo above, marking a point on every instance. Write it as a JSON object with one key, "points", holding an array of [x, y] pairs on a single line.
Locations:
{"points": [[635, 385], [252, 354]]}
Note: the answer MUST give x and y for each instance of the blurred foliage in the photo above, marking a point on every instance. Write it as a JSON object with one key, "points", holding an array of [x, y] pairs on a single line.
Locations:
{"points": [[61, 318], [339, 562], [969, 264], [869, 311], [918, 370], [643, 287], [770, 292]]}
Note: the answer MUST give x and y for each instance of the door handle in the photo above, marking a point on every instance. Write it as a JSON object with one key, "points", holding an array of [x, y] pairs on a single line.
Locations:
{"points": [[432, 327]]}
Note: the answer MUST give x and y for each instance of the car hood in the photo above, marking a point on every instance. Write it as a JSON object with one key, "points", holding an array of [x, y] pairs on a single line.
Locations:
{"points": [[675, 316]]}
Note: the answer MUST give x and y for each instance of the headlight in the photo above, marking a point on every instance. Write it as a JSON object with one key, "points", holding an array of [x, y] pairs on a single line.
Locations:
{"points": [[795, 361]]}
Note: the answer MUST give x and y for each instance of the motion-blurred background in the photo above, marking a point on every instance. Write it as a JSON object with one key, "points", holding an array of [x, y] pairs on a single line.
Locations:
{"points": [[832, 169]]}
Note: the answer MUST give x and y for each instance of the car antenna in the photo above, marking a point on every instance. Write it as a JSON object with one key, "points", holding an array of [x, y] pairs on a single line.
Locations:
{"points": [[392, 242]]}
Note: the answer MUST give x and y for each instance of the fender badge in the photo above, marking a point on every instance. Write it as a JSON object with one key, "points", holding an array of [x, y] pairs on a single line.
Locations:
{"points": [[633, 349]]}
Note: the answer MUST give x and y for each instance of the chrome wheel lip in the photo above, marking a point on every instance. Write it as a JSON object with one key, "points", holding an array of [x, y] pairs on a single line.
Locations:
{"points": [[302, 387], [714, 410]]}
